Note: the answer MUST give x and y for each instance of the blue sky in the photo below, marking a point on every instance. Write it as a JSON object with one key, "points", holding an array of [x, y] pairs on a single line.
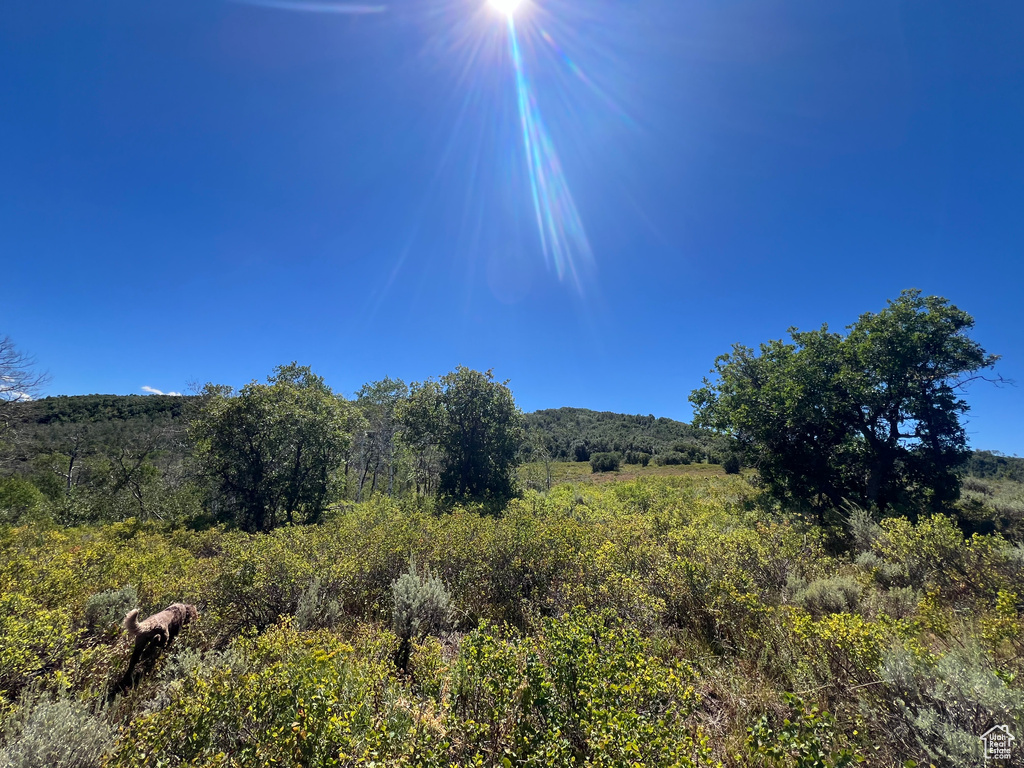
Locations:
{"points": [[201, 190]]}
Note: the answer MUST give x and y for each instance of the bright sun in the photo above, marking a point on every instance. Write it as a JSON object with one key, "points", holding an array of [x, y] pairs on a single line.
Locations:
{"points": [[508, 7]]}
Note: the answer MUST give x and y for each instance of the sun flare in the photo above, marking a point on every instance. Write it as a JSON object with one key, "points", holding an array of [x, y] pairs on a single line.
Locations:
{"points": [[507, 7]]}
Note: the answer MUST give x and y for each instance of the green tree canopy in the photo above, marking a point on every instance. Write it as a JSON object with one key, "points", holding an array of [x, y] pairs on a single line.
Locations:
{"points": [[272, 451], [871, 417], [477, 428]]}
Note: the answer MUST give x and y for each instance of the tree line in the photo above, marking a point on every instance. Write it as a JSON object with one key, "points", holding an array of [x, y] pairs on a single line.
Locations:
{"points": [[870, 417]]}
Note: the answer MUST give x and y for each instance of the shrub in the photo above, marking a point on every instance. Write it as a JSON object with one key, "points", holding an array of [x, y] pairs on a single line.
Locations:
{"points": [[885, 573], [731, 465], [605, 462], [942, 707], [108, 608], [673, 458], [315, 609], [32, 640], [585, 691], [19, 500], [805, 739], [838, 594], [900, 602], [638, 457], [864, 531], [421, 605], [57, 733]]}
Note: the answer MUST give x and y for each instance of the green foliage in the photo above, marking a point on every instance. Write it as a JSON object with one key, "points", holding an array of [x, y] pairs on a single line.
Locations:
{"points": [[19, 500], [57, 733], [805, 739], [605, 462], [584, 692], [109, 607], [32, 639], [994, 465], [573, 434], [577, 609], [673, 458], [638, 457], [473, 422], [870, 417], [375, 454], [731, 465], [272, 453]]}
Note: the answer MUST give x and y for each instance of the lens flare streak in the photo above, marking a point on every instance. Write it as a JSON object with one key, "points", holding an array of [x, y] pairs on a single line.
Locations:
{"points": [[304, 6], [562, 236]]}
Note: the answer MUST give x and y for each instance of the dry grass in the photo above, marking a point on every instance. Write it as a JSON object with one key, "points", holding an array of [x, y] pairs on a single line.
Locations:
{"points": [[533, 474]]}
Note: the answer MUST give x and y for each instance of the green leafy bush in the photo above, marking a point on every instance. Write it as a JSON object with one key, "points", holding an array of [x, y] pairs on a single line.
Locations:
{"points": [[20, 501], [638, 457], [605, 462], [806, 739], [672, 458]]}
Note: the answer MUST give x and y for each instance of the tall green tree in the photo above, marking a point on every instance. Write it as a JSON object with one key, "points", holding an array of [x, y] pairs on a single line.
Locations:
{"points": [[872, 416], [474, 424], [272, 452]]}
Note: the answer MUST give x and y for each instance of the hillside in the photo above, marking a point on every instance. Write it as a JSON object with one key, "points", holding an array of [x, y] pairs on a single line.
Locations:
{"points": [[93, 424], [567, 434], [572, 434]]}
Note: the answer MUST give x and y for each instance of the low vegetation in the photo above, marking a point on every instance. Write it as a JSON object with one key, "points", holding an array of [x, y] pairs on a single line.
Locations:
{"points": [[663, 620]]}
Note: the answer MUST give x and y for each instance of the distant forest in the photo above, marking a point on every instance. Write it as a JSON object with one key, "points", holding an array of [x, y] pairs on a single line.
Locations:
{"points": [[568, 434], [108, 423]]}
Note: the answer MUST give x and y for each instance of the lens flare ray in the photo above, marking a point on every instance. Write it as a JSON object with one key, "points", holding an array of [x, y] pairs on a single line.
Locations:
{"points": [[306, 6], [562, 236]]}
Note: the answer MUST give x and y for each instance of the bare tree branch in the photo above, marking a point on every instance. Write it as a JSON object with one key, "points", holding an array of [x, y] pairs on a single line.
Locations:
{"points": [[19, 381]]}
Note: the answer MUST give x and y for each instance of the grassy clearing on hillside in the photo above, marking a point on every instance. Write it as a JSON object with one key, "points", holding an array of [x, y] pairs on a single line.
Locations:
{"points": [[534, 474], [656, 621]]}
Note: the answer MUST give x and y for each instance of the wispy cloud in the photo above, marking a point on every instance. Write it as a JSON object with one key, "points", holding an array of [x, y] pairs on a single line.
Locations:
{"points": [[155, 391], [306, 6]]}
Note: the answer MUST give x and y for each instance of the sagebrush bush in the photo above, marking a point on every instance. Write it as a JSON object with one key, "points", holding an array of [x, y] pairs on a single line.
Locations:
{"points": [[899, 603], [108, 608], [940, 708], [864, 531], [56, 733], [836, 594], [422, 604], [316, 610]]}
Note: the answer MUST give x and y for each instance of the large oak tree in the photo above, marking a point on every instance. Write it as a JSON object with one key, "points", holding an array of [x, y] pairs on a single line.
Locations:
{"points": [[870, 417], [475, 425], [272, 452]]}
